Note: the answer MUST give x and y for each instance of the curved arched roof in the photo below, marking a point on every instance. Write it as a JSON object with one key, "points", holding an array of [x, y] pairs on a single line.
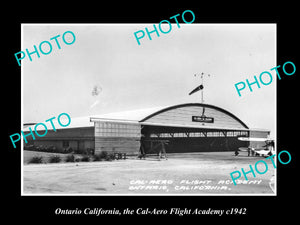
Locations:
{"points": [[177, 115], [167, 115], [195, 105]]}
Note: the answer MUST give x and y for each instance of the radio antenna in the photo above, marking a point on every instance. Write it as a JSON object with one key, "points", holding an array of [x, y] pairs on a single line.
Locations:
{"points": [[201, 86]]}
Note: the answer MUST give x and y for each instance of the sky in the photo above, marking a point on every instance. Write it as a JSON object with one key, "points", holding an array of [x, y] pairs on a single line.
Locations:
{"points": [[105, 70]]}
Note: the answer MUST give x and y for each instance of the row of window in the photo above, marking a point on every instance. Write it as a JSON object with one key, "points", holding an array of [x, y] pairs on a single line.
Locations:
{"points": [[110, 129], [108, 125], [202, 134], [105, 134], [107, 129]]}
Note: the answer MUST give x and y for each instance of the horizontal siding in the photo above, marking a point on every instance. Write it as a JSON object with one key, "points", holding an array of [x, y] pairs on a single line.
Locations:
{"points": [[183, 116], [65, 134]]}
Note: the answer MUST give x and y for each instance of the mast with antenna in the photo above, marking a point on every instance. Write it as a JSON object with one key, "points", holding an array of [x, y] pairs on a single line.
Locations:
{"points": [[204, 119], [200, 87]]}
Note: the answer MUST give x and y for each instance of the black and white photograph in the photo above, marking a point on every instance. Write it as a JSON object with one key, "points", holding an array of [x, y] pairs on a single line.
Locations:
{"points": [[150, 112], [165, 109]]}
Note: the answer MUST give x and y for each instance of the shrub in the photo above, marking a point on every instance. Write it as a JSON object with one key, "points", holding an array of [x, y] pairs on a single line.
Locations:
{"points": [[97, 157], [80, 151], [54, 159], [50, 148], [103, 154], [36, 159], [70, 158], [85, 158], [29, 147], [90, 151], [111, 157], [68, 150], [40, 148]]}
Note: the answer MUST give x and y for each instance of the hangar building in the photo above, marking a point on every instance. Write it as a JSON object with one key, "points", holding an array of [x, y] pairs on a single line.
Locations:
{"points": [[191, 127]]}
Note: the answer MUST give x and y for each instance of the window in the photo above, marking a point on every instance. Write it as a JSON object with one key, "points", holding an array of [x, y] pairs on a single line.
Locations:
{"points": [[236, 133], [229, 133], [115, 129], [66, 144], [210, 134]]}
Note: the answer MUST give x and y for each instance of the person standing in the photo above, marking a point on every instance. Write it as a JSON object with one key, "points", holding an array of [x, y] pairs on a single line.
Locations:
{"points": [[236, 152], [142, 148], [162, 150]]}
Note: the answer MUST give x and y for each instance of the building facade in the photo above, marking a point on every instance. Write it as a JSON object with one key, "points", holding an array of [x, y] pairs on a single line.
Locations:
{"points": [[191, 127]]}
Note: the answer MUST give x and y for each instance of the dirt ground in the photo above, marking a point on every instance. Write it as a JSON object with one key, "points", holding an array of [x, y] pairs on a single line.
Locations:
{"points": [[181, 174]]}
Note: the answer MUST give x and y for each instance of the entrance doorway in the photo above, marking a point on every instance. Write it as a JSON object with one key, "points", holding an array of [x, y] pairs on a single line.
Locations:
{"points": [[185, 139]]}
